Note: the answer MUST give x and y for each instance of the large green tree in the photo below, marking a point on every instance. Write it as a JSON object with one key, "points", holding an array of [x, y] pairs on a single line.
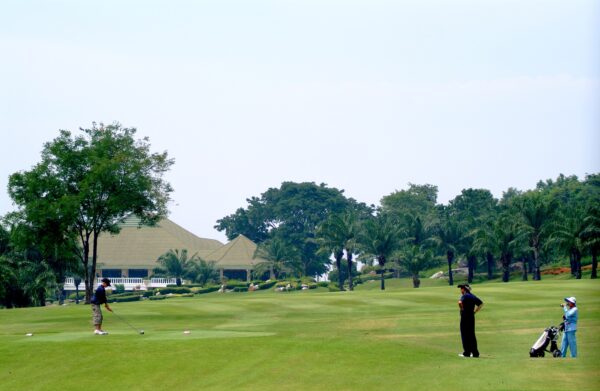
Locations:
{"points": [[291, 212], [88, 183]]}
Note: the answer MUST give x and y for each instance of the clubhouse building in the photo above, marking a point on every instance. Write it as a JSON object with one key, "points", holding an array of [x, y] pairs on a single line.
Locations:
{"points": [[134, 251]]}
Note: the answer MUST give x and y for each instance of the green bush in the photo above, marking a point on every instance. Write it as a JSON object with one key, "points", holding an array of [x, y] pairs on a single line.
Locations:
{"points": [[123, 299], [267, 284], [181, 289], [232, 284], [323, 284], [240, 289], [208, 289], [157, 297], [119, 288], [149, 293]]}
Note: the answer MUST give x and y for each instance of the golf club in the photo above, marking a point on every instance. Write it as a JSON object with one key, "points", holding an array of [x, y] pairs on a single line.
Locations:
{"points": [[127, 323]]}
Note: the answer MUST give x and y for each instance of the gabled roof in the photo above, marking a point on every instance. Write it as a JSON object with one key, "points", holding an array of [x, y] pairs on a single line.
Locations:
{"points": [[140, 247], [237, 254]]}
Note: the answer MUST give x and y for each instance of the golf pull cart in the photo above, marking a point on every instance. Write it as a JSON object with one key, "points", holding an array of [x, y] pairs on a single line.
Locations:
{"points": [[548, 337]]}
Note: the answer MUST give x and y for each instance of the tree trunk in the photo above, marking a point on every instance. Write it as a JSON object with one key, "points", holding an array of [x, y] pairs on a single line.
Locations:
{"points": [[490, 265], [572, 261], [450, 256], [594, 263], [505, 259], [349, 258], [577, 265], [471, 259], [536, 260], [338, 264], [271, 272], [525, 260], [88, 280], [382, 270], [416, 281]]}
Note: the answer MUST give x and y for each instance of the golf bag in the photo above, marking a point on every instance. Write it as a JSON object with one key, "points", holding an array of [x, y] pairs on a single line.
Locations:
{"points": [[548, 337]]}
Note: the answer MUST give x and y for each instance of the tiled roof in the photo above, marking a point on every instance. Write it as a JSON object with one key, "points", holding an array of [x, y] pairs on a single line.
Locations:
{"points": [[237, 254], [139, 247]]}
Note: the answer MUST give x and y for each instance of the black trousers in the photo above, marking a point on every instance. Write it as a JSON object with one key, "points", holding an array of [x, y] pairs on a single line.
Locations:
{"points": [[467, 334]]}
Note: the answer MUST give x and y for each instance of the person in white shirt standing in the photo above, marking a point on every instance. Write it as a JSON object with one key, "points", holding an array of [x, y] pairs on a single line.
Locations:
{"points": [[571, 315]]}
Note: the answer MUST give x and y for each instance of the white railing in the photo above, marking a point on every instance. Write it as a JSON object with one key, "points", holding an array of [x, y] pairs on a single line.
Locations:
{"points": [[70, 284], [129, 283], [160, 282]]}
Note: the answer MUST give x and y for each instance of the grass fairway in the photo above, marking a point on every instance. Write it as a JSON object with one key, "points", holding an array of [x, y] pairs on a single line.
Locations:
{"points": [[400, 339]]}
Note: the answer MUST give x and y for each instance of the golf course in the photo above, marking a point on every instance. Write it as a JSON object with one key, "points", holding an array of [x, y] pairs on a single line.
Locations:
{"points": [[398, 339]]}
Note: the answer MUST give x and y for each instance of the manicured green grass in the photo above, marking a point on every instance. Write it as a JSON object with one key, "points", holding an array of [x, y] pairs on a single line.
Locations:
{"points": [[400, 339]]}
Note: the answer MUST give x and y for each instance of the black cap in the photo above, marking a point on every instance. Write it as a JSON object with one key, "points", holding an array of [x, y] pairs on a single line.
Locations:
{"points": [[106, 280], [465, 286]]}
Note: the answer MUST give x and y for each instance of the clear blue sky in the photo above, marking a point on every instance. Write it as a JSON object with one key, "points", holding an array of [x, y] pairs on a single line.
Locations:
{"points": [[365, 96]]}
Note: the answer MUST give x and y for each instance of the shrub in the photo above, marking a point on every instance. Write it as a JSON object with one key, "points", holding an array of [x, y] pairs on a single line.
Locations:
{"points": [[148, 293], [157, 297], [267, 284], [240, 289], [119, 288], [208, 289], [123, 299], [181, 289], [323, 284], [231, 284]]}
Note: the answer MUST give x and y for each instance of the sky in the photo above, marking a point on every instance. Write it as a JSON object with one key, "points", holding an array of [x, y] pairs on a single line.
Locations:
{"points": [[365, 96]]}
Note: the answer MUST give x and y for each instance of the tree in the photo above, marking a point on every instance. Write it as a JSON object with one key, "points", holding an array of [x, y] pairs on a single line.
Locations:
{"points": [[279, 259], [590, 236], [204, 272], [449, 237], [176, 264], [338, 235], [415, 259], [472, 208], [87, 184], [379, 239], [567, 236], [536, 209], [292, 213], [330, 238]]}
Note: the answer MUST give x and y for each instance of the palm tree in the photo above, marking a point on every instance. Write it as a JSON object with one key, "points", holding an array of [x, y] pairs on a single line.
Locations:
{"points": [[448, 235], [279, 259], [176, 264], [204, 272], [38, 279], [343, 231], [484, 244], [330, 238], [536, 211], [590, 235], [379, 238], [567, 235], [415, 259], [504, 237]]}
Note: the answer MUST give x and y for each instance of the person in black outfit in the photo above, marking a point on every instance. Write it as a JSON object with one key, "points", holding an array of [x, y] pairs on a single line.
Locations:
{"points": [[98, 299], [469, 305]]}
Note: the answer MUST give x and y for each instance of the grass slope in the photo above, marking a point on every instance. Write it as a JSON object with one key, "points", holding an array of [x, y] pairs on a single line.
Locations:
{"points": [[400, 339]]}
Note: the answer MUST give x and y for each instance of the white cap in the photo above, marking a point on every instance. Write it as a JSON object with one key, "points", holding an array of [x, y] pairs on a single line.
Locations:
{"points": [[571, 300]]}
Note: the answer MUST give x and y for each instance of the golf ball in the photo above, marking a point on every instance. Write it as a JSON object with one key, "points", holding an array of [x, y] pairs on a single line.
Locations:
{"points": [[29, 334], [186, 332], [141, 331]]}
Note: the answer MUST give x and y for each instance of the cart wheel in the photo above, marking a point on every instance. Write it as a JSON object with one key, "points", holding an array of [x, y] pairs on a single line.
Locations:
{"points": [[556, 353]]}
